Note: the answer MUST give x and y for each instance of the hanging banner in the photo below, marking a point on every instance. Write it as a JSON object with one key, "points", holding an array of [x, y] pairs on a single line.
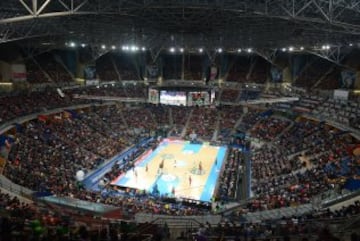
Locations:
{"points": [[276, 75], [18, 72], [152, 71], [213, 72], [348, 78], [90, 75]]}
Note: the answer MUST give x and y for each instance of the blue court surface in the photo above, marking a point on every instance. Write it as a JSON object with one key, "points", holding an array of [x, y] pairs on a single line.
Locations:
{"points": [[177, 168]]}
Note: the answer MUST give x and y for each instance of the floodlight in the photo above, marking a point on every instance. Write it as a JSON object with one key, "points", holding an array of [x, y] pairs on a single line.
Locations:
{"points": [[103, 46]]}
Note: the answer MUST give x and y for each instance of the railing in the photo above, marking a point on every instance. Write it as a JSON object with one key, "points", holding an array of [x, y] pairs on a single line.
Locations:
{"points": [[333, 197], [79, 204], [176, 220], [8, 185]]}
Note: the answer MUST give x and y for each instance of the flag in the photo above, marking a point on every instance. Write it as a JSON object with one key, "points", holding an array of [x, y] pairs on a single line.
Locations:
{"points": [[213, 72]]}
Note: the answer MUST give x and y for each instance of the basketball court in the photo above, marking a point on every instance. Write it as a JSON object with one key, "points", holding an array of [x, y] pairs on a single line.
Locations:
{"points": [[177, 169]]}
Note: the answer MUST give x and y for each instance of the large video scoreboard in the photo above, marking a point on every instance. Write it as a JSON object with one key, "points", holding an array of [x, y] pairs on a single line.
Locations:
{"points": [[180, 97]]}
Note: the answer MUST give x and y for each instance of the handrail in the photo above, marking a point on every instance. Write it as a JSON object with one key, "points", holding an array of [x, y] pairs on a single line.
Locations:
{"points": [[7, 184]]}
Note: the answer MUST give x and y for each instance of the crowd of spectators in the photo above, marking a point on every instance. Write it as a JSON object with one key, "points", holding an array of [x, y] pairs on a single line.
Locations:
{"points": [[229, 178], [21, 221], [278, 168], [250, 118], [299, 137], [161, 114], [15, 106], [269, 161], [47, 154], [229, 95], [229, 116], [208, 117], [139, 119], [90, 135], [180, 116], [344, 112], [268, 128], [312, 226], [51, 64]]}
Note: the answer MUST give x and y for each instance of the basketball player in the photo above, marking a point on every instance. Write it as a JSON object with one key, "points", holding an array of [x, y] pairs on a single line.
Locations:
{"points": [[136, 174]]}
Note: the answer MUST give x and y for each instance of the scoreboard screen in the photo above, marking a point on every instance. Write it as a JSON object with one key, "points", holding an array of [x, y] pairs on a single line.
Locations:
{"points": [[173, 97], [153, 97], [198, 98]]}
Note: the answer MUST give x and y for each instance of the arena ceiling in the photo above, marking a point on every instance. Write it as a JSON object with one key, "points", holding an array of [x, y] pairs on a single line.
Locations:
{"points": [[228, 24]]}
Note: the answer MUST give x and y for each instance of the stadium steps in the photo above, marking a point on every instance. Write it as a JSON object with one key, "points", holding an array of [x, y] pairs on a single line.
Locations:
{"points": [[115, 67], [237, 123], [42, 70], [278, 213], [286, 128], [183, 133], [323, 77], [304, 70], [217, 126], [58, 59], [251, 68]]}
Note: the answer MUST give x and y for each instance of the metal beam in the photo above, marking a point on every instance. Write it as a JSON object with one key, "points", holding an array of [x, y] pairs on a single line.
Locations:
{"points": [[34, 6], [241, 23], [268, 54], [334, 55], [43, 7], [26, 7]]}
